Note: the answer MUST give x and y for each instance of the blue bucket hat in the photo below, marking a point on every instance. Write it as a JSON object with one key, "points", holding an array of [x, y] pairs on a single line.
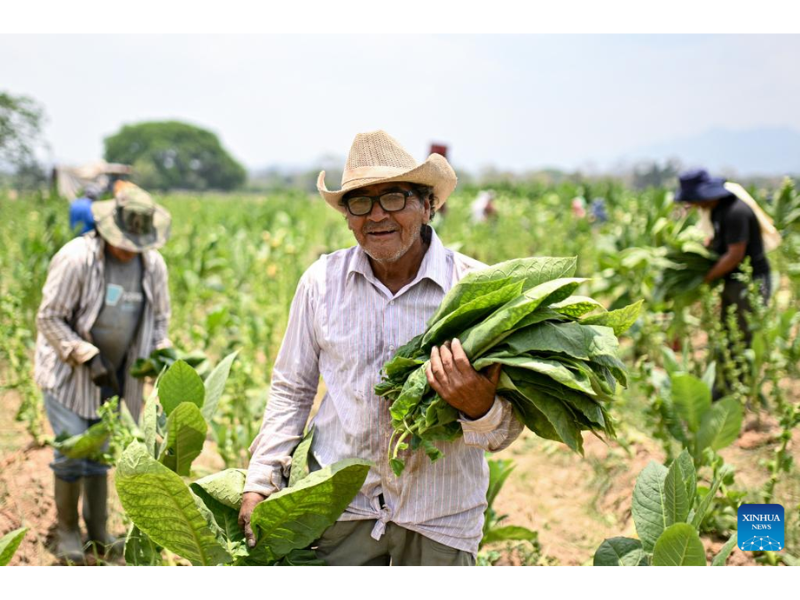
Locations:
{"points": [[698, 186]]}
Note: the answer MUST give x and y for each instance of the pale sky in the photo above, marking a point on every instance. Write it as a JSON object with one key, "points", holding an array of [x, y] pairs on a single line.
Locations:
{"points": [[513, 101]]}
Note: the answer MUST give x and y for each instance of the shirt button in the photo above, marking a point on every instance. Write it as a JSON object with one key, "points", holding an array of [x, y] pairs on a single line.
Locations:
{"points": [[391, 347]]}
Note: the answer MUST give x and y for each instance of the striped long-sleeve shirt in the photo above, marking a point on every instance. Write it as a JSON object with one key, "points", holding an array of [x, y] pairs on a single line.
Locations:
{"points": [[72, 298], [344, 325]]}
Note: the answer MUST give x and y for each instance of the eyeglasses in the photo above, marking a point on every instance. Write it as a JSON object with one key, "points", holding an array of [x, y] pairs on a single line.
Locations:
{"points": [[390, 202]]}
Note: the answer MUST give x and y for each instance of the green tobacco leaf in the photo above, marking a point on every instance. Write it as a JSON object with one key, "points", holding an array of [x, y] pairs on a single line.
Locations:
{"points": [[186, 434], [454, 323], [720, 426], [559, 416], [415, 387], [84, 445], [676, 501], [180, 384], [648, 504], [226, 487], [463, 293], [691, 399], [689, 476], [300, 458], [9, 544], [710, 375], [294, 517], [150, 423], [620, 552], [215, 384], [679, 546], [577, 306], [499, 470], [509, 533], [553, 369], [225, 517], [585, 342], [140, 551], [705, 503], [722, 556], [301, 558], [161, 505], [499, 324], [619, 320], [533, 271]]}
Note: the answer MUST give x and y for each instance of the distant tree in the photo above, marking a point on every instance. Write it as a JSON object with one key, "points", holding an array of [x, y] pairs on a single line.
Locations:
{"points": [[173, 155], [21, 120], [652, 174]]}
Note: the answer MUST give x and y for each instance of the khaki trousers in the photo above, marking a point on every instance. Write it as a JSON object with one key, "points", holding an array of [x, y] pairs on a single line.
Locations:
{"points": [[348, 543]]}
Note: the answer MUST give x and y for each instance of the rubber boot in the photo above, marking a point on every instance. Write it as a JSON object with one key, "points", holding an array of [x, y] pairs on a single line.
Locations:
{"points": [[95, 515], [69, 547]]}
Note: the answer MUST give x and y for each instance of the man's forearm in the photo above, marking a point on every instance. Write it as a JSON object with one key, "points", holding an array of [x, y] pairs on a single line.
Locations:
{"points": [[727, 263]]}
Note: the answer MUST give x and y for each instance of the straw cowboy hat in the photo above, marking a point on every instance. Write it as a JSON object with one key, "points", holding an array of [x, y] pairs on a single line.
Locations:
{"points": [[376, 157], [132, 220]]}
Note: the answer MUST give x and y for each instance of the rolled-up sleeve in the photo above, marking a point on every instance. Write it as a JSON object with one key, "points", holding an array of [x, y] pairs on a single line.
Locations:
{"points": [[60, 298], [295, 378], [493, 431]]}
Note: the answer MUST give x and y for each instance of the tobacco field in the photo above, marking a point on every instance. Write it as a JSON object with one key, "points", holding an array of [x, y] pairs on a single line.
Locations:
{"points": [[234, 262]]}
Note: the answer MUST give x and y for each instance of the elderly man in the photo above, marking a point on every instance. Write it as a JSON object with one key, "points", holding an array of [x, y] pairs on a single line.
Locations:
{"points": [[352, 310], [105, 304]]}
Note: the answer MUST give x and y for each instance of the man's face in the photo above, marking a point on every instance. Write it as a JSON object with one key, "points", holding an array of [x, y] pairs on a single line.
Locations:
{"points": [[387, 236]]}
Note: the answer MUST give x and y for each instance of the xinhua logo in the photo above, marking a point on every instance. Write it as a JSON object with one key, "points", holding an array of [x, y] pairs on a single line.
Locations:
{"points": [[761, 527]]}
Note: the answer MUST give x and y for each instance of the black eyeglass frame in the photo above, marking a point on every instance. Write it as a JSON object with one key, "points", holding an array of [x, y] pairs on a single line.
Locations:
{"points": [[406, 195]]}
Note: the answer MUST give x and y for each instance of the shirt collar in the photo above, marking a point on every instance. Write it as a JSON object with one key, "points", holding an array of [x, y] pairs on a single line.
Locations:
{"points": [[433, 266]]}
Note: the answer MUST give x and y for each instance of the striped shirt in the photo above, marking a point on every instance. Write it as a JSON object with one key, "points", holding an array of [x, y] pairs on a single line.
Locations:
{"points": [[72, 298], [344, 325]]}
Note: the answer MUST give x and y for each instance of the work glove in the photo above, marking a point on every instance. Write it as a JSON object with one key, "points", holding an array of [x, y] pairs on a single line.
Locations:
{"points": [[103, 374]]}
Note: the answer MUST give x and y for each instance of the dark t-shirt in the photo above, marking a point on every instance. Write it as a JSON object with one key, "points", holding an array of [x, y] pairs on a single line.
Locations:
{"points": [[735, 222]]}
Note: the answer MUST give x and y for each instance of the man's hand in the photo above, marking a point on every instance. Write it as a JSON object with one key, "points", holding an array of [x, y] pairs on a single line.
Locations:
{"points": [[102, 373], [249, 502], [451, 375]]}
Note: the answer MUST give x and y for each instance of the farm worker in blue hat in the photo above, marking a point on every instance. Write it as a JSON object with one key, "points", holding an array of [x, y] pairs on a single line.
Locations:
{"points": [[737, 229], [105, 303], [352, 311]]}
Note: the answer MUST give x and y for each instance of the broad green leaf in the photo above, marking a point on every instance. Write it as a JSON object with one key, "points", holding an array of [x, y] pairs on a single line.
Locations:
{"points": [[225, 518], [648, 504], [150, 423], [533, 271], [226, 487], [691, 399], [140, 551], [509, 533], [215, 384], [499, 470], [705, 503], [577, 306], [720, 426], [415, 387], [180, 384], [84, 445], [454, 323], [619, 320], [497, 326], [9, 544], [559, 416], [676, 502], [162, 506], [300, 458], [679, 546], [585, 342], [722, 556], [553, 369], [620, 552], [301, 558], [294, 517], [462, 294], [689, 476], [186, 434]]}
